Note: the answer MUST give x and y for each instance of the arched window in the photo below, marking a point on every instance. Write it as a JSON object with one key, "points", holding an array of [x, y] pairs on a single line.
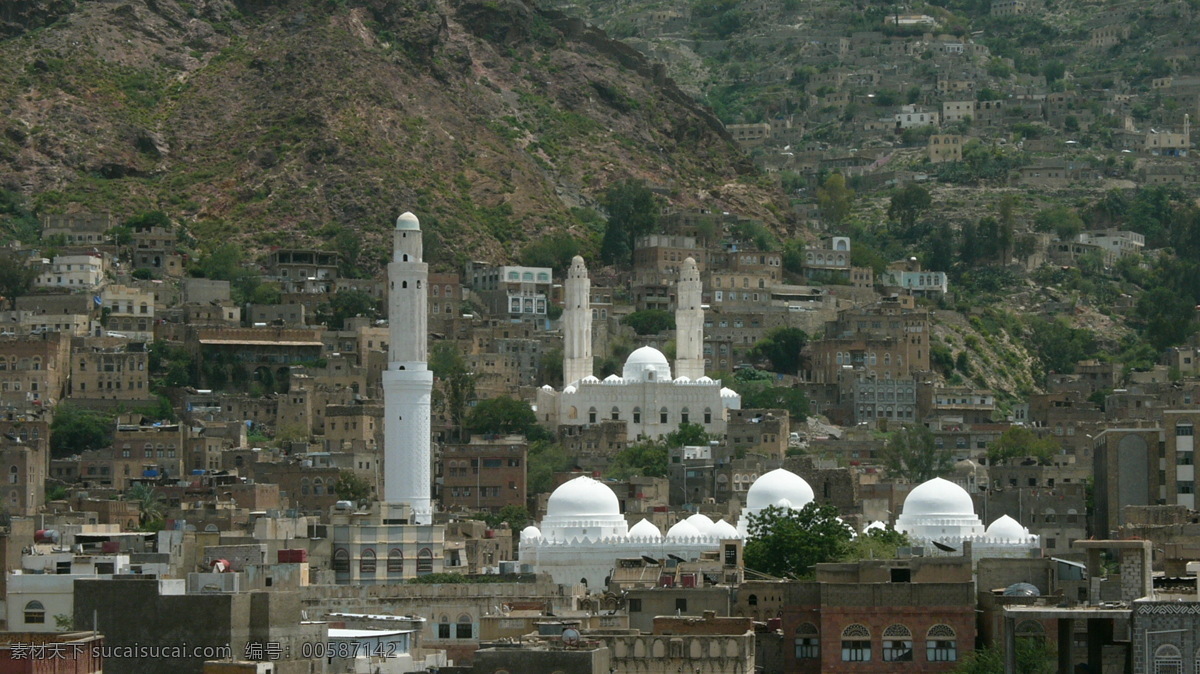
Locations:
{"points": [[341, 560], [897, 644], [318, 486], [941, 644], [35, 613], [443, 628], [305, 487], [424, 562], [395, 561], [708, 415], [808, 642], [592, 415], [464, 629], [856, 643], [12, 474], [683, 415], [752, 600], [662, 416], [1167, 660], [616, 414], [366, 563], [637, 415]]}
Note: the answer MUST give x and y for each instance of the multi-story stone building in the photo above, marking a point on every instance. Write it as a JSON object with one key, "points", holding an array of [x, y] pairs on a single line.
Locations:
{"points": [[1129, 465], [518, 292], [129, 312], [105, 370], [78, 229], [25, 469], [484, 474], [73, 272], [34, 370], [889, 339]]}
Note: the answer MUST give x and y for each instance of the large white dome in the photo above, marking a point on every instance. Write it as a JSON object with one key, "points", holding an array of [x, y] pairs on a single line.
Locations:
{"points": [[645, 529], [683, 529], [702, 523], [938, 498], [582, 497], [647, 364], [778, 484]]}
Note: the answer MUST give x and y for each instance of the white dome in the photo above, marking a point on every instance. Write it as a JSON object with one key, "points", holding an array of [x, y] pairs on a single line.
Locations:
{"points": [[683, 529], [778, 484], [547, 387], [723, 529], [705, 380], [644, 529], [702, 523], [570, 389], [408, 221], [938, 498], [582, 497], [783, 503], [682, 380], [613, 379], [876, 525], [728, 393], [647, 364], [530, 533], [589, 380], [1006, 528]]}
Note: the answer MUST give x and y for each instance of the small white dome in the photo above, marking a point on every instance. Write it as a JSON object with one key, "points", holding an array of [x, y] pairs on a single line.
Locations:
{"points": [[702, 523], [644, 529], [705, 380], [590, 379], [728, 393], [938, 497], [613, 379], [723, 529], [875, 525], [408, 221], [582, 497], [570, 389], [778, 484], [645, 364], [1006, 528], [683, 529], [784, 503], [530, 533], [547, 387], [682, 380]]}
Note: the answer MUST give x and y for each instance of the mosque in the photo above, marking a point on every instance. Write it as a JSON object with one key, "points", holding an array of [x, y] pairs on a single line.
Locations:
{"points": [[584, 532], [645, 396]]}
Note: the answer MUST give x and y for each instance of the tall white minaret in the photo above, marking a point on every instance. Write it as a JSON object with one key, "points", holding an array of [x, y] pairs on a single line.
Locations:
{"points": [[407, 381], [689, 323], [577, 323]]}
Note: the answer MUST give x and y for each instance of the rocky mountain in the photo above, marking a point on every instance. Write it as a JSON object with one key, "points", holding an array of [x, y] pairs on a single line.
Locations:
{"points": [[285, 122]]}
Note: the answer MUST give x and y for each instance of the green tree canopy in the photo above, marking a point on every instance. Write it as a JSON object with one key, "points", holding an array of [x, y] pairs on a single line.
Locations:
{"points": [[348, 304], [782, 347], [788, 543], [76, 429], [545, 459], [908, 204], [1017, 443], [555, 251], [650, 321], [351, 487], [1061, 220], [456, 383], [1059, 346], [632, 212], [516, 516], [149, 502], [912, 454], [16, 276], [647, 458], [790, 398], [835, 199], [502, 416]]}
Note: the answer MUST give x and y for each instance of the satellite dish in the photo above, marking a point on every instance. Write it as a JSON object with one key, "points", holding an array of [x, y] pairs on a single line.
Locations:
{"points": [[676, 557], [570, 636], [649, 560], [943, 547]]}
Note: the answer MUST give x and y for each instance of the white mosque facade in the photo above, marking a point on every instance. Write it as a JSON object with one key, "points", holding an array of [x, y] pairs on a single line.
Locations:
{"points": [[645, 396], [939, 514]]}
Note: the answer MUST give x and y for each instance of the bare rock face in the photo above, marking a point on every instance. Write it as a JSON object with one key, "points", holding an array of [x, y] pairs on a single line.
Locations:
{"points": [[273, 121], [19, 16]]}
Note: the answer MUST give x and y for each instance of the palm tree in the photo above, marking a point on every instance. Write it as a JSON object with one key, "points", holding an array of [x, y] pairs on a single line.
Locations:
{"points": [[149, 502]]}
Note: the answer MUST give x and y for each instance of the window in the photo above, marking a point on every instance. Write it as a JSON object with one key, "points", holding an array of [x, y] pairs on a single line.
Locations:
{"points": [[444, 628], [35, 613], [662, 416], [680, 604], [940, 644], [635, 605], [856, 644], [341, 560], [366, 563], [1167, 659], [897, 644], [424, 562], [464, 629], [395, 561], [1184, 430], [808, 643]]}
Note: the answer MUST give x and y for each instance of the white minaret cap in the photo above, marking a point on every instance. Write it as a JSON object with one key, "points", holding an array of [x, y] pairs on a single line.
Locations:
{"points": [[408, 221]]}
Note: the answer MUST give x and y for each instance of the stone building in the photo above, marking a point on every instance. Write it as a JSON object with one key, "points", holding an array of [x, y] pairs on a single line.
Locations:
{"points": [[380, 546], [79, 229], [485, 474], [109, 372]]}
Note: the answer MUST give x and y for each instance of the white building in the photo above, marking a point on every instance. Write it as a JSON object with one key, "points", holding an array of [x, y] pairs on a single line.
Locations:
{"points": [[780, 488], [646, 397], [939, 512], [584, 533], [73, 272]]}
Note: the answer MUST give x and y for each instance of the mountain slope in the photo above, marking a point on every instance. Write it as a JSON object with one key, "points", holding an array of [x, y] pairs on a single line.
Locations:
{"points": [[280, 123]]}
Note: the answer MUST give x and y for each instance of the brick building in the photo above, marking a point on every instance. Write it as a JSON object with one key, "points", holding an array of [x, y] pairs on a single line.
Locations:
{"points": [[487, 473]]}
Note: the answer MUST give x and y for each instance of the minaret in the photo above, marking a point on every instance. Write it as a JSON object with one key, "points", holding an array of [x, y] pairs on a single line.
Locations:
{"points": [[577, 323], [689, 323], [407, 381]]}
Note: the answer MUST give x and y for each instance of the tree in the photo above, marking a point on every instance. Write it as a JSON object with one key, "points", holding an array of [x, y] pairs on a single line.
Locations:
{"points": [[647, 458], [457, 383], [348, 304], [1057, 345], [788, 543], [790, 398], [515, 516], [351, 487], [876, 544], [782, 347], [76, 429], [911, 454], [650, 321], [1063, 221], [16, 276], [632, 212], [149, 502], [687, 435], [545, 459], [1034, 656], [555, 250], [835, 199], [908, 204], [939, 253], [1167, 318], [1018, 443], [501, 416]]}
